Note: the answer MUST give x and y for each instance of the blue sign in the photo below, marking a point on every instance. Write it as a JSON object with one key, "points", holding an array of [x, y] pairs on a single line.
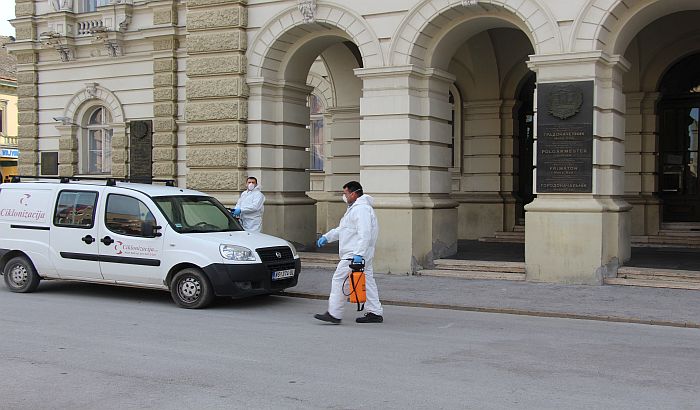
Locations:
{"points": [[9, 153]]}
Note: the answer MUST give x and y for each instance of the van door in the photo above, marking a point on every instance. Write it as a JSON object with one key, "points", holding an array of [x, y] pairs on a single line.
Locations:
{"points": [[74, 234], [130, 250]]}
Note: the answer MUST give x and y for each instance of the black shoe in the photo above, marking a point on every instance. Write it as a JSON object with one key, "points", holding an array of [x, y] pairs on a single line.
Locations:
{"points": [[370, 318], [326, 317]]}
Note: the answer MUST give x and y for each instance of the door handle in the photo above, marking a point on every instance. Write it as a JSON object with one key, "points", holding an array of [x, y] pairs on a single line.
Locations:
{"points": [[88, 239], [107, 240]]}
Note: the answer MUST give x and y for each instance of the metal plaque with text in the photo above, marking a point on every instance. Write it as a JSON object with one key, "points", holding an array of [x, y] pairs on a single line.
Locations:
{"points": [[49, 163], [140, 151], [565, 137]]}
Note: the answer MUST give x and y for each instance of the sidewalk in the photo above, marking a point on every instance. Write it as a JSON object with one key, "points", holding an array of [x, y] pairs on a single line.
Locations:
{"points": [[666, 307]]}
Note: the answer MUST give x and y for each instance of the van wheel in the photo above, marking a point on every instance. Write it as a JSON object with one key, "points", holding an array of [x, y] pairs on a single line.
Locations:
{"points": [[20, 275], [190, 289]]}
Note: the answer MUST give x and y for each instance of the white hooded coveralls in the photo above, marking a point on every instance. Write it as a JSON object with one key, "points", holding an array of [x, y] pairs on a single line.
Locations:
{"points": [[357, 233], [251, 204]]}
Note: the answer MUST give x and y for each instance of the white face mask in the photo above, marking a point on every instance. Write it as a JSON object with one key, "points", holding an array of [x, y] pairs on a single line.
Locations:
{"points": [[345, 197], [251, 186]]}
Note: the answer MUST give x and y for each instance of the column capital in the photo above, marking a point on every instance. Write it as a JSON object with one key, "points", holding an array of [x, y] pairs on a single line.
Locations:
{"points": [[575, 66], [404, 71]]}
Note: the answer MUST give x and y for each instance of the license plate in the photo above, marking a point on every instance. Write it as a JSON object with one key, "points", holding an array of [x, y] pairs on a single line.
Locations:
{"points": [[283, 274]]}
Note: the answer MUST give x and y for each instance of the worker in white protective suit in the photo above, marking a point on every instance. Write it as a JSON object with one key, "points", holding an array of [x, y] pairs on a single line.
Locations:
{"points": [[250, 206], [357, 233]]}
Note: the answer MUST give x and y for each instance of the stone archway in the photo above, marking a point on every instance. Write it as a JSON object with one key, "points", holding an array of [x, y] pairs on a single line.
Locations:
{"points": [[415, 40], [280, 58], [284, 31], [610, 25], [486, 47]]}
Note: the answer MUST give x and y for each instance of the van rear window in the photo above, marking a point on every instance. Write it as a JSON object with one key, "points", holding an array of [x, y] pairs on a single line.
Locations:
{"points": [[75, 209]]}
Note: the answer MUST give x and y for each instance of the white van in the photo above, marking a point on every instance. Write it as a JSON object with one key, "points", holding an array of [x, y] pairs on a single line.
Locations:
{"points": [[142, 235]]}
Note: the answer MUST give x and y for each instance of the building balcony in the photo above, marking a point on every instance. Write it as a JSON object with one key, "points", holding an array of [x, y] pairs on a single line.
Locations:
{"points": [[8, 142]]}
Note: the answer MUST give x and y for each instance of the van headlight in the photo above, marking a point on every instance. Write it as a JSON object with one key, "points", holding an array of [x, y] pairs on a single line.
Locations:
{"points": [[236, 253], [294, 250]]}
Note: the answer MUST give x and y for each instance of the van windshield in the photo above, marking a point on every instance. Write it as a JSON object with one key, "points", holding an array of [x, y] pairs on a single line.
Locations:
{"points": [[196, 214]]}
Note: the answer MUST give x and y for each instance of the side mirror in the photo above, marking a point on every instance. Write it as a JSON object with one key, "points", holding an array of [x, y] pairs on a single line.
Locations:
{"points": [[150, 230]]}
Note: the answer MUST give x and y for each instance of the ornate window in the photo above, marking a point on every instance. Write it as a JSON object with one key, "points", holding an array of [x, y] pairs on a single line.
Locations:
{"points": [[317, 110], [97, 142]]}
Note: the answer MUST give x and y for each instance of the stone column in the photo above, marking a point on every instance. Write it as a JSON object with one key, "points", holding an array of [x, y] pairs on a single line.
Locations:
{"points": [[27, 88], [165, 85], [507, 165], [68, 150], [277, 156], [405, 163], [580, 238], [217, 106], [641, 151]]}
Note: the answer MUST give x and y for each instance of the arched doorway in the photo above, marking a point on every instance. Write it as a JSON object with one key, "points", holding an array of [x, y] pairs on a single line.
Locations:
{"points": [[307, 57], [524, 116], [679, 114]]}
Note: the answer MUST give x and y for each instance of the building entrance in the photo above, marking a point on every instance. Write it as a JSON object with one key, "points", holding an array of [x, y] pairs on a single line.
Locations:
{"points": [[679, 114], [524, 116]]}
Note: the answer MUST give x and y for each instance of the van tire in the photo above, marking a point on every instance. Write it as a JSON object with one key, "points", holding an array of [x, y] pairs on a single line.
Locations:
{"points": [[20, 275], [190, 289]]}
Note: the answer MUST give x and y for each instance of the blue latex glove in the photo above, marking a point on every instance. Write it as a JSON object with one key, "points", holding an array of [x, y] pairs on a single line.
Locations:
{"points": [[322, 241], [357, 259], [236, 212]]}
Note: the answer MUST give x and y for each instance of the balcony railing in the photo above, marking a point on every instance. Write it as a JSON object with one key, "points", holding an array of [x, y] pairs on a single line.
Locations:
{"points": [[88, 22], [8, 142]]}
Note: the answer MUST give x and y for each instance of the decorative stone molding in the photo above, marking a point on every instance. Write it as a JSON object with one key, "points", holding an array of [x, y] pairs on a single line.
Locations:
{"points": [[51, 39], [90, 92], [307, 8]]}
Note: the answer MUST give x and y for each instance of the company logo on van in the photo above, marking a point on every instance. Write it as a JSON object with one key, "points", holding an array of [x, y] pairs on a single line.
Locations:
{"points": [[126, 249], [21, 212]]}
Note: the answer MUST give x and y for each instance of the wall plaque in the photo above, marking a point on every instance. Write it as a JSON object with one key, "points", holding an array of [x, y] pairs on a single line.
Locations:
{"points": [[49, 163], [140, 151], [565, 137]]}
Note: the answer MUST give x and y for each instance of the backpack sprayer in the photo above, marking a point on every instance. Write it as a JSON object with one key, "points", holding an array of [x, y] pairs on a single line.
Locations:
{"points": [[356, 284]]}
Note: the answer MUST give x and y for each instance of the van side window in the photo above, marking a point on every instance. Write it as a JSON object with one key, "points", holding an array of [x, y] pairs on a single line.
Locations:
{"points": [[75, 209], [127, 216]]}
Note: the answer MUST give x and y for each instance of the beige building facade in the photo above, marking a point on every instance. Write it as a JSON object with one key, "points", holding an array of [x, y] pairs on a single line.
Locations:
{"points": [[573, 120]]}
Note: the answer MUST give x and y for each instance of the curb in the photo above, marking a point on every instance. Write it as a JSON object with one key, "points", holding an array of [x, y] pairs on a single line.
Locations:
{"points": [[511, 311]]}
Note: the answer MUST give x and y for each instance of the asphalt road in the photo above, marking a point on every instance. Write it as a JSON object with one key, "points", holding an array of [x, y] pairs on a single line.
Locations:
{"points": [[79, 346]]}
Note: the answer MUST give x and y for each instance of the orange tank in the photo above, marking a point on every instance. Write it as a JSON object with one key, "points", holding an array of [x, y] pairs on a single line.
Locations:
{"points": [[358, 294]]}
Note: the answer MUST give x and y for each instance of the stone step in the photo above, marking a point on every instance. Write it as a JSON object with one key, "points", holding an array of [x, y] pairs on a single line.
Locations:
{"points": [[480, 266], [474, 275], [318, 260], [492, 239], [519, 228], [632, 272], [680, 226], [678, 232], [510, 234], [652, 283]]}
